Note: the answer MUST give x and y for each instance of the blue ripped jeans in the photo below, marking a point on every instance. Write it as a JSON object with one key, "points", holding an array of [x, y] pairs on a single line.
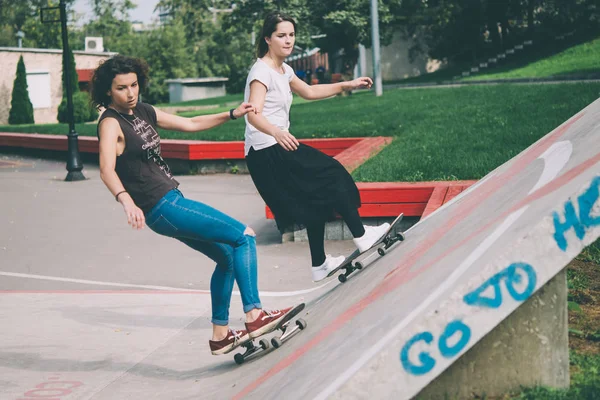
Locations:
{"points": [[218, 236]]}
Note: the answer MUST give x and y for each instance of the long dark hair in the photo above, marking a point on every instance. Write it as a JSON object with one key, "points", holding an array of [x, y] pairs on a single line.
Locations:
{"points": [[269, 26], [106, 72]]}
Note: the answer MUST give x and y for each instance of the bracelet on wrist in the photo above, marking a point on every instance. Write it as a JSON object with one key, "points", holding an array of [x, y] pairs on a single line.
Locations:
{"points": [[231, 114], [117, 195]]}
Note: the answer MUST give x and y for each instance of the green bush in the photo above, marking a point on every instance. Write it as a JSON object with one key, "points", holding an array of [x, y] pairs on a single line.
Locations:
{"points": [[21, 110], [82, 109]]}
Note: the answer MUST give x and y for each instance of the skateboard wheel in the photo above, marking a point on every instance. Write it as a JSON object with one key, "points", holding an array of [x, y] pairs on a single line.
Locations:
{"points": [[276, 342], [342, 278], [381, 251], [301, 323], [239, 358], [358, 265], [401, 236], [264, 343]]}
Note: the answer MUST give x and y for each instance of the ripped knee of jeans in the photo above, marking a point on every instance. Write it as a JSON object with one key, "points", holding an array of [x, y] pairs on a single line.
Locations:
{"points": [[250, 232]]}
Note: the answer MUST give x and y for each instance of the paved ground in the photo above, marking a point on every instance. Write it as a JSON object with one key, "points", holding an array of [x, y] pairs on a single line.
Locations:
{"points": [[84, 298], [76, 230]]}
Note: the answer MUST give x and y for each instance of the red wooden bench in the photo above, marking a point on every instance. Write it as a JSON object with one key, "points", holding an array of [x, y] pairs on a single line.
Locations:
{"points": [[381, 199], [414, 199], [193, 149]]}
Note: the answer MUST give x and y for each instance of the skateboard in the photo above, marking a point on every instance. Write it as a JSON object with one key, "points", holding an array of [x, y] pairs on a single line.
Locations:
{"points": [[287, 331], [382, 245]]}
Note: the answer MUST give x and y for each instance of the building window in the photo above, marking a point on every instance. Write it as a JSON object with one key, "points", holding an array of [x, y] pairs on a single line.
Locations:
{"points": [[38, 84]]}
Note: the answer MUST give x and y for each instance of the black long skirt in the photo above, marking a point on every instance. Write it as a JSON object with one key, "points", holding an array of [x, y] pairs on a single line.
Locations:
{"points": [[301, 187]]}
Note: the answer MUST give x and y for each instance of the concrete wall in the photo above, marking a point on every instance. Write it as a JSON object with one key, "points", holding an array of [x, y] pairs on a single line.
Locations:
{"points": [[179, 92], [38, 60], [395, 60]]}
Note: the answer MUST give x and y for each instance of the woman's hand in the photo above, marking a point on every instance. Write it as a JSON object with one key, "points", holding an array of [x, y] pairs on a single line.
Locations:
{"points": [[135, 216], [286, 140], [364, 82], [243, 109]]}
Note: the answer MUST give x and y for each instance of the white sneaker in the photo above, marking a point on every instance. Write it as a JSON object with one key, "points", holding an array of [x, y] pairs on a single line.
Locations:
{"points": [[319, 273], [372, 235]]}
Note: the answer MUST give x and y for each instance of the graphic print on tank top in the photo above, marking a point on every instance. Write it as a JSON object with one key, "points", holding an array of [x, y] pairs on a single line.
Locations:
{"points": [[151, 147]]}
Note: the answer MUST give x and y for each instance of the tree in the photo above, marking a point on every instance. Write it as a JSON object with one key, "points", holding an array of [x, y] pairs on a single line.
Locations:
{"points": [[21, 110], [168, 56], [111, 21], [342, 25], [218, 48], [24, 15], [346, 24], [465, 30], [82, 109]]}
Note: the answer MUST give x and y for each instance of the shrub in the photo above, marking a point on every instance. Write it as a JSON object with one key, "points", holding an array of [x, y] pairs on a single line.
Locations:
{"points": [[82, 109], [21, 110]]}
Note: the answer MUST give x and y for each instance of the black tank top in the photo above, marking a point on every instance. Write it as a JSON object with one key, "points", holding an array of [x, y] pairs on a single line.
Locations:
{"points": [[141, 168]]}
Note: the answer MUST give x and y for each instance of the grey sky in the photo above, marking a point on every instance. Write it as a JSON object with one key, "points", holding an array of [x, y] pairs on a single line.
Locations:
{"points": [[143, 12]]}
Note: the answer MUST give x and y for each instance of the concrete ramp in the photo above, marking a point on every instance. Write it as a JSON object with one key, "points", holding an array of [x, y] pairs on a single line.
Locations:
{"points": [[390, 330]]}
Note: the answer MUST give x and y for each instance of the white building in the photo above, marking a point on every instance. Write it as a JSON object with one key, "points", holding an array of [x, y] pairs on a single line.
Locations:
{"points": [[44, 78]]}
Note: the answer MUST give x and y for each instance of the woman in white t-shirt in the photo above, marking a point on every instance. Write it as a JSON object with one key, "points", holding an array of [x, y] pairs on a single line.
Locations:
{"points": [[300, 184]]}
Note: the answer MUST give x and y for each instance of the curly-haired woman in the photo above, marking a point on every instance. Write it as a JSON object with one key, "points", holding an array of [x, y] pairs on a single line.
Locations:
{"points": [[132, 168]]}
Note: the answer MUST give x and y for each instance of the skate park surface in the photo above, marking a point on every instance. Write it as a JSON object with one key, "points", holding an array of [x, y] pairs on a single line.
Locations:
{"points": [[91, 309]]}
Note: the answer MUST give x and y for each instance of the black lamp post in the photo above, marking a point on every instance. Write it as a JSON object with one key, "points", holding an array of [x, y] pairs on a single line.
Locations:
{"points": [[74, 165]]}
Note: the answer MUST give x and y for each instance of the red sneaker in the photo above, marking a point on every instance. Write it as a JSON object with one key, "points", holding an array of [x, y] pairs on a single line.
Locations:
{"points": [[266, 322], [233, 339]]}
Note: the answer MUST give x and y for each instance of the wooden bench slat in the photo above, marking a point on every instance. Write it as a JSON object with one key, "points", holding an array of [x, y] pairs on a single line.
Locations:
{"points": [[392, 210], [380, 210], [436, 200], [453, 191], [416, 195]]}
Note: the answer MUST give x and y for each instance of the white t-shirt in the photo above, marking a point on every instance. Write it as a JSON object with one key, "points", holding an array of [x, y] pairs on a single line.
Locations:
{"points": [[277, 103]]}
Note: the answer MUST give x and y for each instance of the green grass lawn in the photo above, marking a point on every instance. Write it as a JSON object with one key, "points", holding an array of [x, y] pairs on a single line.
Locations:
{"points": [[440, 134], [577, 60]]}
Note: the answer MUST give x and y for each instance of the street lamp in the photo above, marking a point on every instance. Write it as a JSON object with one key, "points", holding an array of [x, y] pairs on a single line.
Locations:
{"points": [[376, 50], [20, 35], [74, 165]]}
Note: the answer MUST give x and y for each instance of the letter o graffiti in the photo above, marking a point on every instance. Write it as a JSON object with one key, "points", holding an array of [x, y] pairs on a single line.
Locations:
{"points": [[427, 362], [512, 277], [451, 329]]}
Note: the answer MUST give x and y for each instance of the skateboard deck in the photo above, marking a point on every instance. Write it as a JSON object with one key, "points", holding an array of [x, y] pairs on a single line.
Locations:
{"points": [[287, 331], [382, 245]]}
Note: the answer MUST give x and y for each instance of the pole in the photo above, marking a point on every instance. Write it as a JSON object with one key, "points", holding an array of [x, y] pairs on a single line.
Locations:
{"points": [[74, 165], [376, 50]]}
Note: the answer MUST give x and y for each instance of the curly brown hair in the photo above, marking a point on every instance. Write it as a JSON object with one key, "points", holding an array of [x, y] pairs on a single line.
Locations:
{"points": [[106, 72]]}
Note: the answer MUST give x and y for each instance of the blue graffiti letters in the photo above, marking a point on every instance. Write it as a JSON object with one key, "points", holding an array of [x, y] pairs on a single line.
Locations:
{"points": [[586, 202], [427, 362], [511, 277], [520, 280], [452, 328], [571, 221]]}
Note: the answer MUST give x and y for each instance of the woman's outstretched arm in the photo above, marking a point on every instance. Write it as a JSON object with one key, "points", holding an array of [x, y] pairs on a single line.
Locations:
{"points": [[201, 122], [322, 91]]}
